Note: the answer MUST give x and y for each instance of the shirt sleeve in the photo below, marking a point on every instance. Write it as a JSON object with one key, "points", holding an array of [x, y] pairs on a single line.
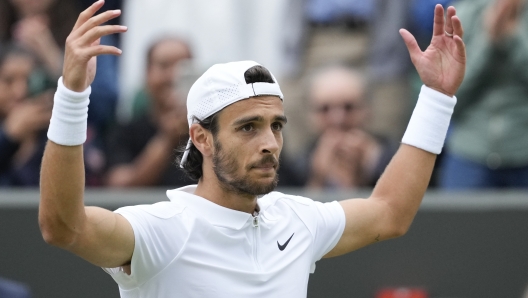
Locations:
{"points": [[330, 224], [155, 245]]}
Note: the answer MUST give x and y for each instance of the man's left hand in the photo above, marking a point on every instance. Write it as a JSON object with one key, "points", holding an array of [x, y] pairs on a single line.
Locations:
{"points": [[442, 65]]}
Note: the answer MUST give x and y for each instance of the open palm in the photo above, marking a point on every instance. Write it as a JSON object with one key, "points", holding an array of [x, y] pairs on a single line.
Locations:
{"points": [[83, 45], [442, 65]]}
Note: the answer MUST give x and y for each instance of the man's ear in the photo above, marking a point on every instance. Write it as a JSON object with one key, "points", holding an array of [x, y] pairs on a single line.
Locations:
{"points": [[202, 139]]}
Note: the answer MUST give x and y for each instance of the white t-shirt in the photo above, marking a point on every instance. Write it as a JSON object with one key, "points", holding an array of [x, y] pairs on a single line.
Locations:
{"points": [[192, 247]]}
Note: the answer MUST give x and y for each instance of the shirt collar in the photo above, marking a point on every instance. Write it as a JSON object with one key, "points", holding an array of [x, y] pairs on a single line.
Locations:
{"points": [[213, 213]]}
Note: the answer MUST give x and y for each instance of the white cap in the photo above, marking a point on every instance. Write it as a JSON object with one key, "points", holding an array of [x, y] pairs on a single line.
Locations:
{"points": [[220, 86]]}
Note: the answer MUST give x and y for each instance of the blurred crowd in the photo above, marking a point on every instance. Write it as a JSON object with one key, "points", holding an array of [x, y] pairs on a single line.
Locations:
{"points": [[355, 114]]}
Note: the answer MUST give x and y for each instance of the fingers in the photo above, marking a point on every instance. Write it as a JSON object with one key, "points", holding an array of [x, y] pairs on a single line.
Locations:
{"points": [[102, 50], [412, 45], [87, 14], [86, 37], [449, 22], [439, 22], [92, 37], [96, 21], [96, 42], [461, 47], [457, 27]]}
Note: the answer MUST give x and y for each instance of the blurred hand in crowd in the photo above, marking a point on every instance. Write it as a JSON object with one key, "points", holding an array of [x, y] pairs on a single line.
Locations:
{"points": [[172, 121], [15, 69], [22, 116], [159, 126], [344, 158], [34, 33], [502, 19], [29, 117], [33, 30]]}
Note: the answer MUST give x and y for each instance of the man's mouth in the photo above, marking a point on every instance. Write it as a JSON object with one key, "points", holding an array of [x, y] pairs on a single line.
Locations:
{"points": [[266, 166], [268, 163]]}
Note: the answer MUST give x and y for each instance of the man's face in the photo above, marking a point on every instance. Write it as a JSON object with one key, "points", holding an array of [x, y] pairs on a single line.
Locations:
{"points": [[161, 72], [14, 76], [248, 144], [32, 7], [337, 102]]}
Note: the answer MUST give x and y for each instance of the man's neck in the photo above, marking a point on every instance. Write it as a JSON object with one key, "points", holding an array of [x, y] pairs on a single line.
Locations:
{"points": [[212, 190]]}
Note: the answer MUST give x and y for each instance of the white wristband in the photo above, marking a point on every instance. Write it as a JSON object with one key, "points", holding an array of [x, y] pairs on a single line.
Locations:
{"points": [[69, 116], [429, 122]]}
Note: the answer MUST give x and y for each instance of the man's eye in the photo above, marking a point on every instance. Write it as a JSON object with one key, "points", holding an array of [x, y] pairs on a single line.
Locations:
{"points": [[277, 126], [247, 127]]}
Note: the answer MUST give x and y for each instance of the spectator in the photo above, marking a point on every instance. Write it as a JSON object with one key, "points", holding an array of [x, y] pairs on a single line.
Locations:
{"points": [[270, 32], [488, 146], [344, 155], [41, 26], [163, 57], [138, 152], [23, 120]]}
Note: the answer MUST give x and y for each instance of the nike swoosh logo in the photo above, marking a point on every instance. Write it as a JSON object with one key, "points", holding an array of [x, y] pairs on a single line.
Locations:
{"points": [[282, 247]]}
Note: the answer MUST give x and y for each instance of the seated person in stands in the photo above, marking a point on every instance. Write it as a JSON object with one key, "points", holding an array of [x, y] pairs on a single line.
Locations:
{"points": [[41, 27], [23, 119], [344, 154], [139, 153]]}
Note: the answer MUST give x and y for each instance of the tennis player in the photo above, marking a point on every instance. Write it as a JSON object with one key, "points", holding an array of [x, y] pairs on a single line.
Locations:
{"points": [[231, 235]]}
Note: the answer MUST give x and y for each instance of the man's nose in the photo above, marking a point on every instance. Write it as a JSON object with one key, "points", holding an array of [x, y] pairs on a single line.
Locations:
{"points": [[19, 89], [271, 141], [336, 117]]}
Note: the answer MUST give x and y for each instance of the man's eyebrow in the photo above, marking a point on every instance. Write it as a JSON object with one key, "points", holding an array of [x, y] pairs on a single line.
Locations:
{"points": [[249, 119], [282, 119]]}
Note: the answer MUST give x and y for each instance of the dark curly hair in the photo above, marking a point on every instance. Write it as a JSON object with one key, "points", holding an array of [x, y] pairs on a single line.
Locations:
{"points": [[193, 165]]}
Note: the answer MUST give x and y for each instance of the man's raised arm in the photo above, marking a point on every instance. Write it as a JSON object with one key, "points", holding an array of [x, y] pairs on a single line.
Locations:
{"points": [[396, 198], [97, 235]]}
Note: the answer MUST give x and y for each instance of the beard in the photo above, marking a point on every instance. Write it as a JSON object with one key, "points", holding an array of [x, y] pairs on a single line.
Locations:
{"points": [[226, 167]]}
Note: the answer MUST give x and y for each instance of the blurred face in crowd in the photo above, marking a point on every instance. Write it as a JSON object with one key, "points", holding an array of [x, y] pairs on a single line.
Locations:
{"points": [[14, 75], [162, 67], [248, 144], [337, 100], [32, 7]]}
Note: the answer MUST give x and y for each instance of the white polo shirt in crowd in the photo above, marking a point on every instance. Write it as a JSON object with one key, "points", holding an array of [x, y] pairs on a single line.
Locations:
{"points": [[191, 247]]}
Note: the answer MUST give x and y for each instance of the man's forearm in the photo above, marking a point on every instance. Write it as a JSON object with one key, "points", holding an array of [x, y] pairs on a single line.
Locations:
{"points": [[407, 176], [61, 211], [404, 182]]}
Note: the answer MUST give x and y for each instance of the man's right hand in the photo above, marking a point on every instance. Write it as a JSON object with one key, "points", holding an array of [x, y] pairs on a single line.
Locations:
{"points": [[97, 235], [83, 45], [172, 123]]}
